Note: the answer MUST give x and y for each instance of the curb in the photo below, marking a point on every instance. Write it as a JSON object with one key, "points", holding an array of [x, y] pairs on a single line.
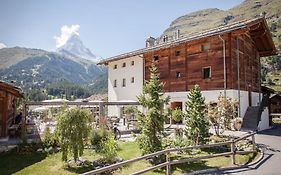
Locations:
{"points": [[229, 168]]}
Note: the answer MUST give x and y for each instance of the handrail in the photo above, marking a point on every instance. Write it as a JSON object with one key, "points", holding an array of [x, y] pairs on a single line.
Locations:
{"points": [[168, 163]]}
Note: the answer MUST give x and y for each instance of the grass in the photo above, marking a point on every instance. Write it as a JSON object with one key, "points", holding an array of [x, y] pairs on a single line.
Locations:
{"points": [[38, 163]]}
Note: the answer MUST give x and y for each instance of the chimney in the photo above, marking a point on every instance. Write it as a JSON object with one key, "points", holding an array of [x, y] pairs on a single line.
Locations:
{"points": [[177, 34], [165, 38], [150, 41]]}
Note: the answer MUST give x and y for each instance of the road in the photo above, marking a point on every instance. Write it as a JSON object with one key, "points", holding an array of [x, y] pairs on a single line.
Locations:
{"points": [[270, 141]]}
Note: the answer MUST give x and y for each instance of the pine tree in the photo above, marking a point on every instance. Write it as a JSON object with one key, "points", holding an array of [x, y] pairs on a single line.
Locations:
{"points": [[152, 122], [196, 125]]}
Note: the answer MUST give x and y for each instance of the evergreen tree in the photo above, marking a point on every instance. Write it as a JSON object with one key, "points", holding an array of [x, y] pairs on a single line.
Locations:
{"points": [[73, 129], [196, 125], [152, 122]]}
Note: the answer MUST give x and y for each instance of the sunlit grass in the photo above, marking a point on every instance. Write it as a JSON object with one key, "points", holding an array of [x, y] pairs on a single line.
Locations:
{"points": [[38, 163]]}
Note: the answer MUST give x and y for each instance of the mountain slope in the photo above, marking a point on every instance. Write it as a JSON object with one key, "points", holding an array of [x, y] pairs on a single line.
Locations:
{"points": [[210, 18], [32, 68], [11, 56]]}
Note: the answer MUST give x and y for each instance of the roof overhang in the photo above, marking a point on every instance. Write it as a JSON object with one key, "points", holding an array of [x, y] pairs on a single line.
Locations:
{"points": [[257, 28], [261, 35], [16, 91]]}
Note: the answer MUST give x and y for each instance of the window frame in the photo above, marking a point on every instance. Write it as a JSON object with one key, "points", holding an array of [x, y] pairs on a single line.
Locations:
{"points": [[177, 53], [115, 83], [124, 64], [203, 49], [178, 74], [210, 72], [132, 63], [124, 82], [156, 58], [115, 66]]}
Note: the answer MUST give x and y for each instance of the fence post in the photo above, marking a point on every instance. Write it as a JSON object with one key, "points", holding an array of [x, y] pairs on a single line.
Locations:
{"points": [[232, 147], [168, 167], [254, 142]]}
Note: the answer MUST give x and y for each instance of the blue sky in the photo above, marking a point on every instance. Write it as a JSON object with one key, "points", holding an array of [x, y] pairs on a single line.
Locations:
{"points": [[107, 27]]}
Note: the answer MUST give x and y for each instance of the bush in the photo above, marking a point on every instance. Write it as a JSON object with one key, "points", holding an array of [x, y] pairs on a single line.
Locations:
{"points": [[98, 137], [49, 139], [177, 142], [177, 115], [109, 149]]}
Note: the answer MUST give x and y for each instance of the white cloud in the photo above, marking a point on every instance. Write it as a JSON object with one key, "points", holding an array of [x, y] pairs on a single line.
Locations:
{"points": [[66, 33], [2, 46]]}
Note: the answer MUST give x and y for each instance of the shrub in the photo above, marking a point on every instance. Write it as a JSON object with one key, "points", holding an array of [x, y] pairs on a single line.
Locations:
{"points": [[49, 139], [177, 115], [98, 136], [109, 149]]}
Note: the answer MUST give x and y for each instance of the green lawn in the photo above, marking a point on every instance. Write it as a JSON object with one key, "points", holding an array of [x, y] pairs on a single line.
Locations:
{"points": [[37, 163]]}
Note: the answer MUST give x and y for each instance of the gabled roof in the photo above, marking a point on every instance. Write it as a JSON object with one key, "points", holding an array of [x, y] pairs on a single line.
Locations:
{"points": [[257, 28], [16, 91]]}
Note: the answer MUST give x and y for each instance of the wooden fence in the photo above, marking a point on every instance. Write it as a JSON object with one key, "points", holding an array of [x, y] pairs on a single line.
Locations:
{"points": [[170, 162]]}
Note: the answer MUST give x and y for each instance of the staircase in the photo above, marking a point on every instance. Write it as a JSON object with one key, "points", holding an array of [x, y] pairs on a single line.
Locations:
{"points": [[250, 120], [253, 114]]}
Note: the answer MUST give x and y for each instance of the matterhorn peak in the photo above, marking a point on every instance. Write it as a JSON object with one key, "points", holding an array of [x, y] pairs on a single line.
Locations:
{"points": [[72, 45]]}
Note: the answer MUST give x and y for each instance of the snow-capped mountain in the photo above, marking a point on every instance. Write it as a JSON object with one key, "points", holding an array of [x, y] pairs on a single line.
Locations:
{"points": [[74, 47]]}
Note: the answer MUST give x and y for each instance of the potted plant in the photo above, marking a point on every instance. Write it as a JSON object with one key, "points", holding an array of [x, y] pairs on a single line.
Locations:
{"points": [[177, 116], [237, 123]]}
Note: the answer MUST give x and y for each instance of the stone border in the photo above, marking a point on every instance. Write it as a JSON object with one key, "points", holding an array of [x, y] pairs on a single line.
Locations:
{"points": [[231, 167]]}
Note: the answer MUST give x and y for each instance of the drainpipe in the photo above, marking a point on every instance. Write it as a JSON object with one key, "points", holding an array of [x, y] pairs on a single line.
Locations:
{"points": [[224, 66], [238, 75]]}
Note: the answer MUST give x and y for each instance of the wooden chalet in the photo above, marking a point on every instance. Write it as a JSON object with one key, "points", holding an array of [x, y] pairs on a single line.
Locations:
{"points": [[8, 98], [225, 60]]}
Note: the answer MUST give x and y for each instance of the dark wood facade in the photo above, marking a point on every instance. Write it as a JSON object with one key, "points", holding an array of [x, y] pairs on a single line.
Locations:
{"points": [[182, 63], [190, 58], [8, 99]]}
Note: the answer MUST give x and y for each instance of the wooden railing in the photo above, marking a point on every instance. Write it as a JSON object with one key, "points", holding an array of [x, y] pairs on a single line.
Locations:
{"points": [[170, 162]]}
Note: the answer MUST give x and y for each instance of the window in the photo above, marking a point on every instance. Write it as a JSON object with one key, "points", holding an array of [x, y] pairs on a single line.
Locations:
{"points": [[178, 74], [115, 66], [115, 83], [132, 63], [156, 58], [205, 47], [178, 53], [124, 82], [124, 65], [132, 79], [206, 72]]}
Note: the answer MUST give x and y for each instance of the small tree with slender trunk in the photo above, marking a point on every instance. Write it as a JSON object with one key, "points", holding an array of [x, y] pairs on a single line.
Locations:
{"points": [[152, 122], [73, 129], [222, 112], [197, 127]]}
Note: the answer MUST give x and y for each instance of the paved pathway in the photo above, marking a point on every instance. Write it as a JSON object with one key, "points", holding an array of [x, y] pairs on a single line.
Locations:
{"points": [[270, 141]]}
